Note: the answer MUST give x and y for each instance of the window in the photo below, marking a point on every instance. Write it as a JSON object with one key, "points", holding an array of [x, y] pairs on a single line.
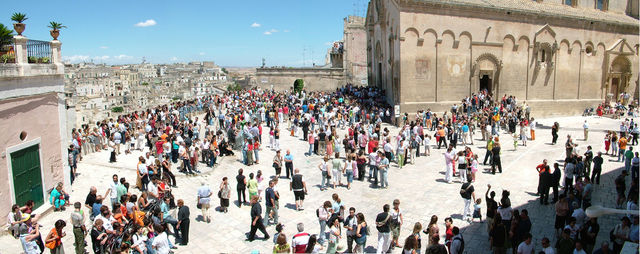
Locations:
{"points": [[589, 50], [602, 5], [570, 2], [543, 55]]}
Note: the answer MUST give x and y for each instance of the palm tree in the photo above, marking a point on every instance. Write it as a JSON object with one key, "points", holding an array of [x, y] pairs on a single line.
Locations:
{"points": [[6, 36]]}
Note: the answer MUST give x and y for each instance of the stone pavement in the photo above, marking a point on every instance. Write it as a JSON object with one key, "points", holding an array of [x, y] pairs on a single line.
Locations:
{"points": [[420, 188]]}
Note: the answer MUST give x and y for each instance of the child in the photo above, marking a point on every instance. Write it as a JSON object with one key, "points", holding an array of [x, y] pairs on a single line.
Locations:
{"points": [[515, 141], [476, 210]]}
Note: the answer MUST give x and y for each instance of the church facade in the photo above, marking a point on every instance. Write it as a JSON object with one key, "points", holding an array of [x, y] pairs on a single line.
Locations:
{"points": [[559, 56]]}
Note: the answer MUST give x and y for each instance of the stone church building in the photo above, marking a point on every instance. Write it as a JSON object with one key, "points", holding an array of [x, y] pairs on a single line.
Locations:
{"points": [[559, 56]]}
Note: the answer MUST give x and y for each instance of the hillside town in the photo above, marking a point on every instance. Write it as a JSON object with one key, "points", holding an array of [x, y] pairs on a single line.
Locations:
{"points": [[99, 91]]}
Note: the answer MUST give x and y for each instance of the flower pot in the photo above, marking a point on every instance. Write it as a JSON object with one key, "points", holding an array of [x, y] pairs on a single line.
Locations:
{"points": [[19, 27], [55, 34]]}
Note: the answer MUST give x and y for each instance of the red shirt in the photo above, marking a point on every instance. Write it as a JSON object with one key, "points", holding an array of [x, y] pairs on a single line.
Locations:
{"points": [[372, 144]]}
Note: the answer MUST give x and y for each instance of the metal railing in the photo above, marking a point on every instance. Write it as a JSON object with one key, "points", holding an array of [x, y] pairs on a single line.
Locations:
{"points": [[38, 51]]}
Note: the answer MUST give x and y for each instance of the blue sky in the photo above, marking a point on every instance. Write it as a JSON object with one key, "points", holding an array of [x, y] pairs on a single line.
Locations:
{"points": [[231, 33]]}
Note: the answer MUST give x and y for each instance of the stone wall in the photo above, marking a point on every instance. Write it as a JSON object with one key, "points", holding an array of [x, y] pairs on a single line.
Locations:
{"points": [[315, 79], [422, 54]]}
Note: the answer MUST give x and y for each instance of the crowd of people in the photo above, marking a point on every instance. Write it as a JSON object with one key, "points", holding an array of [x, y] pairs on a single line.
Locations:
{"points": [[346, 129]]}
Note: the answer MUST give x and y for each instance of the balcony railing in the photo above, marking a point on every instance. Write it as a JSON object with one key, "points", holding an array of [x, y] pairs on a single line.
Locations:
{"points": [[40, 51]]}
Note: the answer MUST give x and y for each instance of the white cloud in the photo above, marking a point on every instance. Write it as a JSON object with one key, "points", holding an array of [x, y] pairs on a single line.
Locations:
{"points": [[146, 23], [104, 47], [174, 59], [121, 57], [270, 32], [201, 53], [102, 57], [76, 58], [255, 25]]}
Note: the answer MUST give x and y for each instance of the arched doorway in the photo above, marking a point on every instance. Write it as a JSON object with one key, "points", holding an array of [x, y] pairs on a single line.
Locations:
{"points": [[486, 72], [619, 75]]}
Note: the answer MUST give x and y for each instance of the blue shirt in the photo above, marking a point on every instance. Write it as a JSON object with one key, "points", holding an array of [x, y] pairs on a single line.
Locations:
{"points": [[465, 128], [268, 195], [288, 157], [95, 209], [164, 208]]}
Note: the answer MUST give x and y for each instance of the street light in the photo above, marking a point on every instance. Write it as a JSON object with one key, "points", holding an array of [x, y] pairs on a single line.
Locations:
{"points": [[597, 211]]}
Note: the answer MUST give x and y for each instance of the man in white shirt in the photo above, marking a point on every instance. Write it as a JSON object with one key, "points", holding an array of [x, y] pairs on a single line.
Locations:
{"points": [[585, 126], [526, 247], [113, 190], [152, 189], [546, 246], [161, 241]]}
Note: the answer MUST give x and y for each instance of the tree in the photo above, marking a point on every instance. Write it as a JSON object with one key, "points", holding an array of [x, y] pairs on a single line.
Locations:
{"points": [[117, 109], [298, 85], [225, 70], [6, 36]]}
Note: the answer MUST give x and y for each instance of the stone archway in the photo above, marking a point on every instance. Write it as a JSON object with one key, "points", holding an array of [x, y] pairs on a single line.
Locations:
{"points": [[486, 74], [618, 77]]}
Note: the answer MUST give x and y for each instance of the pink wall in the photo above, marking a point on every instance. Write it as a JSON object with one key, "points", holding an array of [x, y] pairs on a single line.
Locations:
{"points": [[38, 116]]}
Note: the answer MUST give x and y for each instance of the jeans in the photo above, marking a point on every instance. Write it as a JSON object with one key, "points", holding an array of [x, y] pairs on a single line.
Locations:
{"points": [[627, 164], [383, 242], [383, 178], [324, 179], [373, 172], [310, 149], [174, 223], [187, 166], [256, 158], [244, 157], [621, 154], [275, 215], [322, 237]]}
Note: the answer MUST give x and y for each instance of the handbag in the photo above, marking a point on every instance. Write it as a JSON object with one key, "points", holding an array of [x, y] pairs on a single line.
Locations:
{"points": [[199, 206]]}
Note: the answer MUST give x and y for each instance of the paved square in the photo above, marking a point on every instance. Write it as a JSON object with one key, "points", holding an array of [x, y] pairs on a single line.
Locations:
{"points": [[419, 187]]}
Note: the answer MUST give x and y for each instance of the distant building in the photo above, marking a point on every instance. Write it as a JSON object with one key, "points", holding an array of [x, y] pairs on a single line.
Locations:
{"points": [[559, 56], [34, 134]]}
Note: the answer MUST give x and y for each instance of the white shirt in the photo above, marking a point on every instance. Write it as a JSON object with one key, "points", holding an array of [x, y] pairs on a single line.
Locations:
{"points": [[525, 248], [161, 243], [549, 250], [138, 241], [142, 168], [585, 125], [203, 192], [106, 222], [114, 189], [580, 217]]}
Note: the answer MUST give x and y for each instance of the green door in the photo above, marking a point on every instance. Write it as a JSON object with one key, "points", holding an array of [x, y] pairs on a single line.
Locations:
{"points": [[27, 178]]}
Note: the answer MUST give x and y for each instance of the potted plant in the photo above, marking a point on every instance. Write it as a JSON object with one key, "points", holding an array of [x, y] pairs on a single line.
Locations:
{"points": [[7, 58], [19, 18], [32, 59], [43, 60], [56, 29]]}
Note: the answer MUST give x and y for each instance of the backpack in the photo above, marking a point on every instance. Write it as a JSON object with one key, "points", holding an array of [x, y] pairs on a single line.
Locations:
{"points": [[463, 191]]}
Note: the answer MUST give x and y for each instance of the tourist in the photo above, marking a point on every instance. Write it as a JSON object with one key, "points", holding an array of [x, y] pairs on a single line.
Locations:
{"points": [[252, 186], [373, 159], [270, 204], [54, 238], [498, 235], [312, 247], [168, 219], [323, 214], [326, 175], [589, 233], [622, 145], [383, 168], [449, 157], [241, 187], [335, 233], [224, 193], [256, 220], [620, 188], [161, 243], [604, 249], [495, 157], [281, 244], [277, 163], [204, 201], [288, 163], [57, 200], [300, 240], [468, 194], [457, 242], [395, 223], [554, 132], [183, 222], [621, 234], [31, 239], [336, 171], [383, 226], [79, 230], [436, 247], [597, 168], [299, 188]]}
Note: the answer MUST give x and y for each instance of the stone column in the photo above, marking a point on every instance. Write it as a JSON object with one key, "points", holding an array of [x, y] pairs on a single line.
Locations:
{"points": [[20, 50], [56, 56]]}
